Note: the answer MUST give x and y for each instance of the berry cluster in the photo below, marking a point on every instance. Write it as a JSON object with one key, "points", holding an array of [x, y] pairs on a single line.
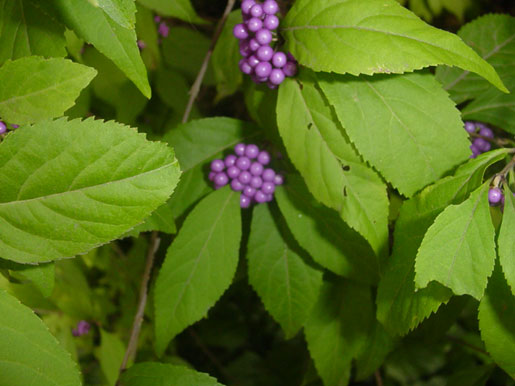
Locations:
{"points": [[480, 144], [260, 60], [245, 171]]}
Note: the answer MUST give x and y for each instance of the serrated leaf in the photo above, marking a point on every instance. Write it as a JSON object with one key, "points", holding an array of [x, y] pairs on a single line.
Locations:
{"points": [[180, 9], [110, 354], [338, 328], [415, 133], [199, 265], [373, 36], [68, 187], [34, 88], [112, 40], [121, 11], [399, 306], [29, 354], [286, 284], [153, 374], [27, 29], [496, 316], [323, 234], [506, 240], [332, 170], [161, 220], [458, 250]]}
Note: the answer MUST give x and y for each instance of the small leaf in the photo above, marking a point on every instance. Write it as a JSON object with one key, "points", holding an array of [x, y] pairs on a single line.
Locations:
{"points": [[199, 265], [458, 250], [153, 374], [287, 285], [496, 316], [29, 354], [121, 11], [68, 187], [110, 354], [374, 36], [506, 240], [180, 9], [415, 134], [34, 89]]}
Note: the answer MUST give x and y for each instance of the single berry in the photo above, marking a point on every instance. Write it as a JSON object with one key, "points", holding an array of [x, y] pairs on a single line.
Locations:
{"points": [[217, 165], [260, 197], [212, 176], [254, 45], [246, 5], [475, 151], [249, 191], [245, 177], [278, 180], [470, 127], [240, 31], [271, 22], [482, 144], [276, 76], [494, 196], [236, 185], [233, 172], [270, 7], [290, 69], [157, 19], [279, 59], [239, 149], [3, 127], [263, 36], [268, 175], [256, 169], [486, 132], [164, 30], [254, 24], [268, 187], [253, 61], [230, 160], [141, 44], [265, 53], [243, 163], [269, 197], [263, 70], [245, 201], [256, 182], [263, 158], [245, 67], [221, 179], [83, 328], [251, 151], [256, 10]]}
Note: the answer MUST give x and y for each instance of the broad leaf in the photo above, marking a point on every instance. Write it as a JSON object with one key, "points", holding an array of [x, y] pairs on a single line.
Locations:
{"points": [[34, 89], [338, 328], [153, 374], [415, 133], [506, 240], [180, 9], [110, 354], [287, 285], [112, 40], [458, 250], [162, 220], [324, 235], [329, 165], [27, 29], [378, 346], [373, 36], [42, 276], [199, 265], [496, 316], [29, 354], [121, 11], [400, 307], [68, 187]]}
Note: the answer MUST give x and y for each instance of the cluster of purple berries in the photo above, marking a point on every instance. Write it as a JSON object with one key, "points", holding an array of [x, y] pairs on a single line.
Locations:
{"points": [[260, 60], [496, 197], [83, 328], [479, 145], [245, 171]]}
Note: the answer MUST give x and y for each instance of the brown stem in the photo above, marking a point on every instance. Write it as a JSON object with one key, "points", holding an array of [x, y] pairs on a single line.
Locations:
{"points": [[143, 295], [200, 77], [379, 378]]}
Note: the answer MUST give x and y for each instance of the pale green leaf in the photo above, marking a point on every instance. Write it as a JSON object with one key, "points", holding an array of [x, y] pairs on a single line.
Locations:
{"points": [[199, 265], [121, 11], [110, 354], [338, 328], [28, 29], [496, 316], [399, 306], [68, 187], [112, 40], [506, 240], [458, 250], [287, 285], [180, 9], [324, 235], [34, 89], [332, 170], [374, 36], [154, 374], [415, 133], [42, 276], [29, 354]]}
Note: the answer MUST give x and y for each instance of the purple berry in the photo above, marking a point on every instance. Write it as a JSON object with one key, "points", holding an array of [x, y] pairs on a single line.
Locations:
{"points": [[268, 187], [141, 44], [239, 149], [221, 179], [15, 126], [269, 197], [278, 180], [270, 7], [245, 201], [271, 22], [482, 144], [254, 24], [256, 169], [486, 132], [245, 67], [272, 86], [260, 197], [263, 158], [243, 163], [245, 50], [254, 45], [265, 53], [3, 128], [157, 19], [240, 31], [230, 160], [268, 175], [212, 176], [276, 76], [470, 127], [246, 5], [82, 328], [256, 79], [279, 59], [290, 69], [253, 61], [256, 182], [256, 10], [263, 70], [494, 196], [251, 151], [475, 151], [249, 191], [233, 172], [163, 30], [236, 185], [263, 36], [217, 165], [244, 177]]}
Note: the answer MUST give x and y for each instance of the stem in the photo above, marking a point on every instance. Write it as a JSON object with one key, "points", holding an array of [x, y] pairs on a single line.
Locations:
{"points": [[501, 142], [466, 344], [200, 77], [143, 295], [379, 379]]}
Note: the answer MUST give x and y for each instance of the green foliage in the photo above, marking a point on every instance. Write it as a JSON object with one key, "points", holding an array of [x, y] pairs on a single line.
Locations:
{"points": [[121, 11], [110, 354], [506, 240], [151, 373], [181, 9]]}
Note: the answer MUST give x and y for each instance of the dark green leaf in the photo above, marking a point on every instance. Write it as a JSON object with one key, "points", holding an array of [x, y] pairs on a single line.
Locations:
{"points": [[154, 374]]}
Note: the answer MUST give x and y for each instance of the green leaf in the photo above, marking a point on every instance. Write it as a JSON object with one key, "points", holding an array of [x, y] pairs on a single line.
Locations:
{"points": [[286, 284], [28, 29], [29, 354], [121, 11], [146, 30], [338, 328], [323, 234], [199, 265], [332, 170], [399, 306], [153, 374], [34, 89], [458, 250], [496, 316], [506, 240], [373, 36], [68, 187], [110, 354], [379, 344], [112, 40], [161, 220], [415, 133], [42, 276], [180, 9]]}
